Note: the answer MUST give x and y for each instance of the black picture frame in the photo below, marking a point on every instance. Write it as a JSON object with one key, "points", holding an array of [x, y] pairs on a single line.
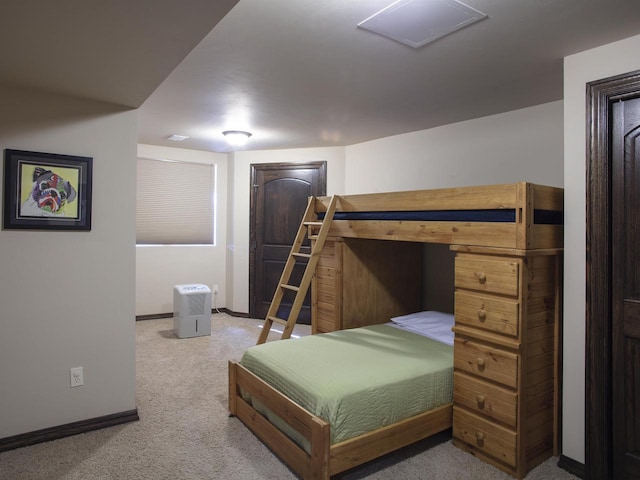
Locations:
{"points": [[46, 191]]}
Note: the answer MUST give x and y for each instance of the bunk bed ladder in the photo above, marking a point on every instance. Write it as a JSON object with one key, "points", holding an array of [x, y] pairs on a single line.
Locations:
{"points": [[309, 224]]}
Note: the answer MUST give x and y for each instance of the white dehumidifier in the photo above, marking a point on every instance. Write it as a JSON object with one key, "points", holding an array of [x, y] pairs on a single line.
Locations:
{"points": [[191, 310]]}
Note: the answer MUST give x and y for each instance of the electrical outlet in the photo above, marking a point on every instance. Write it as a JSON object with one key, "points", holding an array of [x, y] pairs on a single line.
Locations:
{"points": [[77, 377], [215, 289]]}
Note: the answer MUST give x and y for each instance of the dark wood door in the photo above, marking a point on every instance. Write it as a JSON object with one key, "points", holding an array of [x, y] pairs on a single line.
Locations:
{"points": [[611, 385], [279, 195], [625, 294]]}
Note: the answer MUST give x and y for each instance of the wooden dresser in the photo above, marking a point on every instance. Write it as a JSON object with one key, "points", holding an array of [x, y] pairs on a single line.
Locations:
{"points": [[506, 368], [362, 282]]}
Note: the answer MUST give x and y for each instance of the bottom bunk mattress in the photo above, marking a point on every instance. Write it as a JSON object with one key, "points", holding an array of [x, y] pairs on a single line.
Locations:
{"points": [[357, 380]]}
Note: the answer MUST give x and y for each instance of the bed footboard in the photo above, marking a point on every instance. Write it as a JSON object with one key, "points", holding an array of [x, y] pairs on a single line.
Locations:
{"points": [[325, 459], [311, 427]]}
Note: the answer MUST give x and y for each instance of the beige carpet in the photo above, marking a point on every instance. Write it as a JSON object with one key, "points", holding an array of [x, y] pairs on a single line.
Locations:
{"points": [[185, 432]]}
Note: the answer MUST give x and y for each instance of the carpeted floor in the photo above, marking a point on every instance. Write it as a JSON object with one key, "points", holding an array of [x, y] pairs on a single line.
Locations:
{"points": [[185, 433]]}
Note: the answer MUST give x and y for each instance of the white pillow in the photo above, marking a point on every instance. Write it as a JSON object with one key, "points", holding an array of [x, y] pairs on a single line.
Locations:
{"points": [[431, 324], [427, 317]]}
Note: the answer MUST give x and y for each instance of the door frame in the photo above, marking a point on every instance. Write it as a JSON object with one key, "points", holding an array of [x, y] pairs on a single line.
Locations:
{"points": [[321, 166], [598, 363]]}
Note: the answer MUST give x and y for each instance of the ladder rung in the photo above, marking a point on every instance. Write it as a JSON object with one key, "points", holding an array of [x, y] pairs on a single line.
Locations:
{"points": [[317, 231], [278, 320]]}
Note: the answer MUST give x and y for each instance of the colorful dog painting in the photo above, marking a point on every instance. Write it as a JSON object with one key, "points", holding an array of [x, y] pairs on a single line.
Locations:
{"points": [[49, 195]]}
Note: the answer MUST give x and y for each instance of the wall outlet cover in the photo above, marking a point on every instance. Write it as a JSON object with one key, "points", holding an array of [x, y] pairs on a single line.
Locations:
{"points": [[77, 377]]}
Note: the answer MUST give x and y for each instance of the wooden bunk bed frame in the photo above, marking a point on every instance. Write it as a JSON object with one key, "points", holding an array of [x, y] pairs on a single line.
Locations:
{"points": [[519, 237], [522, 198]]}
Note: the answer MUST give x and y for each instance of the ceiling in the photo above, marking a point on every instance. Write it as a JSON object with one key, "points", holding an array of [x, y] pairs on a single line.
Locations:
{"points": [[296, 73]]}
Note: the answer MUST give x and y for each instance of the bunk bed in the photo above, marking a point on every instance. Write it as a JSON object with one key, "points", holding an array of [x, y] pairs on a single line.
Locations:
{"points": [[517, 215], [504, 410]]}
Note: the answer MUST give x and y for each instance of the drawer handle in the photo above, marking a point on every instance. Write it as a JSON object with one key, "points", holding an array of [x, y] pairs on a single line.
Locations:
{"points": [[480, 438], [482, 278], [480, 362], [482, 315], [480, 399]]}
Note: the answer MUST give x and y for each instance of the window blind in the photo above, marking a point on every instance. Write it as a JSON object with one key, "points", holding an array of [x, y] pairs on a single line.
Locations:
{"points": [[174, 202]]}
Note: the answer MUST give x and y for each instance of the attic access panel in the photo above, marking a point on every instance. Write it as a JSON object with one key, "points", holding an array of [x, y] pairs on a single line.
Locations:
{"points": [[418, 22]]}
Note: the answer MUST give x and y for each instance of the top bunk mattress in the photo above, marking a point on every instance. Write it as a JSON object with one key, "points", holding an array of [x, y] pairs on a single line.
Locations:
{"points": [[358, 380], [546, 217]]}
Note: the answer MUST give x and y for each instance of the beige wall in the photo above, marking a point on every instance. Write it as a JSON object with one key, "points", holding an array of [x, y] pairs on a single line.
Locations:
{"points": [[606, 61], [160, 267], [67, 298], [515, 146]]}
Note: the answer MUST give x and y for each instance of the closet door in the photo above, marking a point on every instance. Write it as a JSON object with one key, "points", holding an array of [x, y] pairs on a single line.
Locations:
{"points": [[279, 195], [625, 328]]}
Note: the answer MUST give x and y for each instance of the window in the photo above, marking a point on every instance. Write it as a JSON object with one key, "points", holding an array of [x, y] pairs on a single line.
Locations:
{"points": [[175, 202]]}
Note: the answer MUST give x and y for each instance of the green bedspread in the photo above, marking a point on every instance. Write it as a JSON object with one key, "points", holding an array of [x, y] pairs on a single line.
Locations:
{"points": [[358, 380]]}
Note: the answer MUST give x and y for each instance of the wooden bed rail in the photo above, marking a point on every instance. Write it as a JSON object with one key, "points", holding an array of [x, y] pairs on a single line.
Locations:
{"points": [[522, 198], [324, 459], [503, 196], [315, 430]]}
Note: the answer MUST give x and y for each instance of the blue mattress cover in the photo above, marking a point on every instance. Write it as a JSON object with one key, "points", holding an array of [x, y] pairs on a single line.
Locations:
{"points": [[546, 217]]}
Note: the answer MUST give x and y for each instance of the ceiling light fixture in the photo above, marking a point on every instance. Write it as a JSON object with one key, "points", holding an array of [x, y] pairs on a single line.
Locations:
{"points": [[177, 138], [237, 138]]}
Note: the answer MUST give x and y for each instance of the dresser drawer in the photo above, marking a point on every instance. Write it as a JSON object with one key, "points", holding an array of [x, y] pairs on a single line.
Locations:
{"points": [[486, 362], [489, 438], [491, 276], [488, 313], [485, 399]]}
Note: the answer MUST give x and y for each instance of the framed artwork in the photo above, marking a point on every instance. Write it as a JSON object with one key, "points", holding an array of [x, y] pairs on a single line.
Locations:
{"points": [[46, 191]]}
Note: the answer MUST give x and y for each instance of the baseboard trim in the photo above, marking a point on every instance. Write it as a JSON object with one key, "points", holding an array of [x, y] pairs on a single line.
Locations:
{"points": [[234, 314], [61, 431], [572, 466], [155, 316]]}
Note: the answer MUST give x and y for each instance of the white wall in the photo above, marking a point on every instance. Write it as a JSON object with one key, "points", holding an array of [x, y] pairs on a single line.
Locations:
{"points": [[238, 231], [606, 61], [160, 267], [67, 298], [522, 145]]}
